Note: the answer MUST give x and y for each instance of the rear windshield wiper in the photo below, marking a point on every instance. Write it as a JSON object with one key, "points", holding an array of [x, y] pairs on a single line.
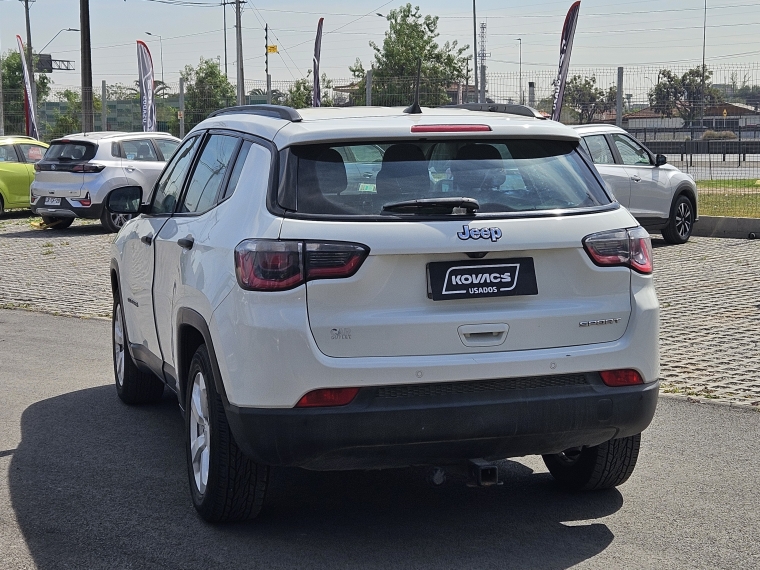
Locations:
{"points": [[434, 206]]}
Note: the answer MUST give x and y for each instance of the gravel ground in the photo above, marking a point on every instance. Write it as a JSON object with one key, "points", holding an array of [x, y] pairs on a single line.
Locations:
{"points": [[709, 291]]}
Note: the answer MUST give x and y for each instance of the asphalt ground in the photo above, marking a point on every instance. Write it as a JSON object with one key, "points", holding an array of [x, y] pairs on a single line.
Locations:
{"points": [[88, 482]]}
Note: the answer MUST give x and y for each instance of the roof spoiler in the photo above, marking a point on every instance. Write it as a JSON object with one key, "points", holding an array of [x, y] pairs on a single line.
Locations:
{"points": [[274, 111], [512, 109]]}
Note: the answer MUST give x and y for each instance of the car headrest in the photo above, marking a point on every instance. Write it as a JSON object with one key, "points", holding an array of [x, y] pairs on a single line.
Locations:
{"points": [[404, 171], [331, 172], [478, 167]]}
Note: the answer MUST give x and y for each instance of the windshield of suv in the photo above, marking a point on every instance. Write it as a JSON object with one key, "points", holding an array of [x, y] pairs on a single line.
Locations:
{"points": [[502, 175]]}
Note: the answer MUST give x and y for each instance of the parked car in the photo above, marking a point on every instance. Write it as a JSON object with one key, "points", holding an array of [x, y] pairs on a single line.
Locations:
{"points": [[477, 296], [660, 196], [17, 157], [79, 171]]}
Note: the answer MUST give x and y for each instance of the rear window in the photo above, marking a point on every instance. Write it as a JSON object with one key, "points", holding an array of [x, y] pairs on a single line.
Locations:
{"points": [[69, 151], [502, 175]]}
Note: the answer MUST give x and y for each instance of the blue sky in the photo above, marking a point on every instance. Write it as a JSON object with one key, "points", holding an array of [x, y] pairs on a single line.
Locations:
{"points": [[610, 33]]}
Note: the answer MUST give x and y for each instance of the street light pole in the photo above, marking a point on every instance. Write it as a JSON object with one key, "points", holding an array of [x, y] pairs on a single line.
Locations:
{"points": [[239, 45], [55, 36], [475, 51], [29, 62], [704, 41], [88, 119], [522, 102], [161, 48]]}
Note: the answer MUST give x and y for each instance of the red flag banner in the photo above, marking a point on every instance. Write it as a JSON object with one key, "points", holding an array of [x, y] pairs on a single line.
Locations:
{"points": [[31, 118], [317, 94], [145, 73], [565, 47]]}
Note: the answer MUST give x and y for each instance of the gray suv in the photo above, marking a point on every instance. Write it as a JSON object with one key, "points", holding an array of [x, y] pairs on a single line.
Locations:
{"points": [[79, 171], [661, 197]]}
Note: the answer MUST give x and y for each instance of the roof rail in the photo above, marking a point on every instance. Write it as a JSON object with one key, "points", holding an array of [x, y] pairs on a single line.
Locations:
{"points": [[276, 111], [510, 108]]}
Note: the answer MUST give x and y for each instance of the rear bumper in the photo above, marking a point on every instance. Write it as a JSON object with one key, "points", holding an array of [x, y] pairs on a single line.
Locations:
{"points": [[67, 209], [443, 423]]}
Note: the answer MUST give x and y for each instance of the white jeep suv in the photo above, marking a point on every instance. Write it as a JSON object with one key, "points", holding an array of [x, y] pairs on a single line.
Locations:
{"points": [[79, 171], [369, 288], [661, 197]]}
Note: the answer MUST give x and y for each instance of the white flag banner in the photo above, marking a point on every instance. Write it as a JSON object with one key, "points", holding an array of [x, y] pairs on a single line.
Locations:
{"points": [[565, 49], [317, 93], [31, 119], [147, 101]]}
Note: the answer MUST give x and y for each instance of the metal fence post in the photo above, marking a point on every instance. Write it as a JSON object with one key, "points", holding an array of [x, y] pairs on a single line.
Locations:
{"points": [[103, 108], [482, 83], [369, 88], [619, 102], [269, 89], [181, 107]]}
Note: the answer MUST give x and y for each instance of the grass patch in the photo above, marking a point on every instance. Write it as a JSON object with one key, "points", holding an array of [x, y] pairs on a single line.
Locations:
{"points": [[733, 197]]}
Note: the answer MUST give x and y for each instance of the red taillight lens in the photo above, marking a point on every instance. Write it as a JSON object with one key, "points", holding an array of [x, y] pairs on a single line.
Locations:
{"points": [[630, 248], [621, 377], [87, 168], [450, 128], [268, 265], [327, 397]]}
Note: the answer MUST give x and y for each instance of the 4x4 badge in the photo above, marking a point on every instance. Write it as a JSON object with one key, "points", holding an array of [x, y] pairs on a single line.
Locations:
{"points": [[494, 234]]}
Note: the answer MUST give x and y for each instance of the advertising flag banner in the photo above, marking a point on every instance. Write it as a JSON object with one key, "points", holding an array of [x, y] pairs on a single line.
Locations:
{"points": [[565, 47], [145, 72], [31, 119], [317, 94]]}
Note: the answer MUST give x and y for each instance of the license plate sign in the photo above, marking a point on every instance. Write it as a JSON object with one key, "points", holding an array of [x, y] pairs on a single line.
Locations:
{"points": [[481, 278], [52, 201]]}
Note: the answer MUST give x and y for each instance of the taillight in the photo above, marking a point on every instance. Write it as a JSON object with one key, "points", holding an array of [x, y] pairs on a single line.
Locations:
{"points": [[86, 201], [327, 397], [87, 168], [37, 166], [270, 265], [621, 377], [450, 128], [630, 248]]}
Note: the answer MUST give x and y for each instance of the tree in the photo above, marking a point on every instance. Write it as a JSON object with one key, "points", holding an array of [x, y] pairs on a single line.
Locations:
{"points": [[299, 94], [13, 91], [68, 119], [588, 100], [410, 37], [683, 95], [207, 89]]}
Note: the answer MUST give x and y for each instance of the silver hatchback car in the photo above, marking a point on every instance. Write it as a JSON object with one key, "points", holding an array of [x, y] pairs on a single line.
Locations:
{"points": [[79, 171]]}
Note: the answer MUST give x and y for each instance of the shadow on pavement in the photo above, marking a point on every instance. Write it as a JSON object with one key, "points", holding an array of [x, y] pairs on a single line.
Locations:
{"points": [[96, 484], [74, 231]]}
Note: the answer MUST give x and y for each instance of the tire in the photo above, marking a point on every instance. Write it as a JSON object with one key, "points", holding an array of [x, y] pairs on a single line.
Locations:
{"points": [[681, 222], [57, 223], [225, 485], [113, 222], [132, 385], [602, 466], [2, 206]]}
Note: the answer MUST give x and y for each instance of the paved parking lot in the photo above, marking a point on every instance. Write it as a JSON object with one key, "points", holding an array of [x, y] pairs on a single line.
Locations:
{"points": [[709, 291]]}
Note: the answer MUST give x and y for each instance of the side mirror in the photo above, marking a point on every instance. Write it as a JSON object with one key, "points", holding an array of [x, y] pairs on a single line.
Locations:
{"points": [[660, 159], [127, 200]]}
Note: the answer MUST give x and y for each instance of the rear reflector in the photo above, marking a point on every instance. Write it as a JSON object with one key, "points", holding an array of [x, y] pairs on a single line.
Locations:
{"points": [[621, 377], [450, 128], [327, 397]]}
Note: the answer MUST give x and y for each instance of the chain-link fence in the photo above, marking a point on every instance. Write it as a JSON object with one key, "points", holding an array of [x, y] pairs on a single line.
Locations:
{"points": [[707, 124]]}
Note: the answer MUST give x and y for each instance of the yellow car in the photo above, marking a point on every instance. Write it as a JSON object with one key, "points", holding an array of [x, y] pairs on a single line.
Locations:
{"points": [[17, 158]]}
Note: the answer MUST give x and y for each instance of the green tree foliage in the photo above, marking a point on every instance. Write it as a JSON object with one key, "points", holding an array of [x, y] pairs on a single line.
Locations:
{"points": [[299, 95], [586, 99], [13, 91], [683, 95], [207, 89], [410, 37], [68, 118]]}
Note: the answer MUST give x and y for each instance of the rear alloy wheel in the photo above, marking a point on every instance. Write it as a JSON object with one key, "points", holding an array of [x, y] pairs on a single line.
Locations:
{"points": [[225, 485], [681, 222], [113, 222], [132, 385], [602, 466], [57, 223]]}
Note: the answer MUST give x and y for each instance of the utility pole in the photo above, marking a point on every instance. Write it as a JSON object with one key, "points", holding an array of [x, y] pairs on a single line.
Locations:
{"points": [[239, 38], [483, 55], [704, 41], [522, 99], [475, 50], [29, 62], [266, 64], [224, 7], [88, 117], [2, 116]]}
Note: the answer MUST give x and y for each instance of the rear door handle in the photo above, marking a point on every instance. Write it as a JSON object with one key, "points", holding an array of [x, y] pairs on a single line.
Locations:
{"points": [[186, 243], [636, 178], [147, 240], [130, 168], [491, 334]]}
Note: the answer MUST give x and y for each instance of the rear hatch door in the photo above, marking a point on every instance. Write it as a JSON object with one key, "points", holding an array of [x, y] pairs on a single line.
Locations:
{"points": [[57, 173]]}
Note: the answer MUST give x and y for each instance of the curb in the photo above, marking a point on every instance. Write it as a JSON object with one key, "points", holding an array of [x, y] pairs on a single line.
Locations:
{"points": [[711, 402], [724, 227]]}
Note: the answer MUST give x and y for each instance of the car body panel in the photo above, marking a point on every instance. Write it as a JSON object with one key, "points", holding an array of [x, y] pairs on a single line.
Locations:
{"points": [[17, 174]]}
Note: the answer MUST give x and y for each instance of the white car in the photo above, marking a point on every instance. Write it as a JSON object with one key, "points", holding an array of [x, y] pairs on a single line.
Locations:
{"points": [[660, 196], [79, 171], [476, 297]]}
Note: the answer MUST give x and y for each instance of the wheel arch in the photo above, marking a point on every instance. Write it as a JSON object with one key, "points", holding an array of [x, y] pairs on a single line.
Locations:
{"points": [[192, 331], [685, 189]]}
